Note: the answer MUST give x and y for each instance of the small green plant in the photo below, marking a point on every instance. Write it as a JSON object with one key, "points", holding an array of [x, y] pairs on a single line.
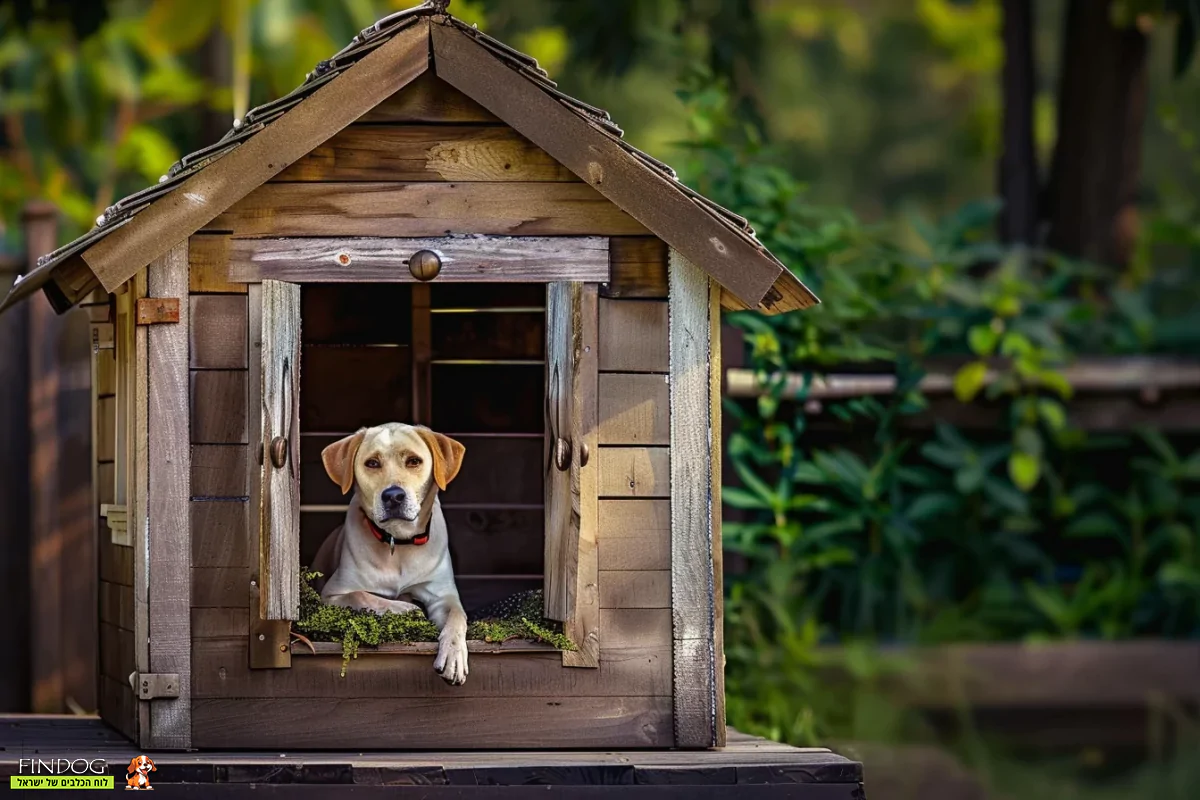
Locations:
{"points": [[355, 627]]}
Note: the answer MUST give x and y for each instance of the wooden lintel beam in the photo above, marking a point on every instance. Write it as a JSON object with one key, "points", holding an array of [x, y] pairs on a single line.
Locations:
{"points": [[464, 259]]}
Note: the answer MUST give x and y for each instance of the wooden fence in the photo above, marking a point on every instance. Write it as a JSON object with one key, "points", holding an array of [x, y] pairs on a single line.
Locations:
{"points": [[47, 537]]}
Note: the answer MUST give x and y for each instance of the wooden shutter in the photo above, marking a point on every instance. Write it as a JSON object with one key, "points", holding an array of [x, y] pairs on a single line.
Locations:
{"points": [[279, 557], [571, 504]]}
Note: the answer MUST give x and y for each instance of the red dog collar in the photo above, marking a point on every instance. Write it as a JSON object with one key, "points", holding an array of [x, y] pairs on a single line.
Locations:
{"points": [[387, 538]]}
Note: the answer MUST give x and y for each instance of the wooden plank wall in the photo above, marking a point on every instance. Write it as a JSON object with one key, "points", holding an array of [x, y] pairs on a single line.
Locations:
{"points": [[450, 154], [220, 471]]}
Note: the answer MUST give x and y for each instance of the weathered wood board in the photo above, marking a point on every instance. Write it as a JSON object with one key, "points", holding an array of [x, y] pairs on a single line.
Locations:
{"points": [[425, 209], [385, 259]]}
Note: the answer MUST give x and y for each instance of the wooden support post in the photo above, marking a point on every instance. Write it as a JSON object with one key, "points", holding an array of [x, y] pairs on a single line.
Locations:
{"points": [[694, 507], [138, 494], [170, 543]]}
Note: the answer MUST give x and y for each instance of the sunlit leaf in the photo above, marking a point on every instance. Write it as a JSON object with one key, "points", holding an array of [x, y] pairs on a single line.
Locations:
{"points": [[982, 339], [1024, 469], [969, 380], [1052, 413]]}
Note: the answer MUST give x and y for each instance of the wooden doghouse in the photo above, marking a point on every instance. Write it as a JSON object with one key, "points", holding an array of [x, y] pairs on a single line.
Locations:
{"points": [[426, 230]]}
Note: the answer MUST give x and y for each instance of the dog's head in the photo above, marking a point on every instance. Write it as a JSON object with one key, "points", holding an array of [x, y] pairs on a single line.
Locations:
{"points": [[396, 468], [141, 765]]}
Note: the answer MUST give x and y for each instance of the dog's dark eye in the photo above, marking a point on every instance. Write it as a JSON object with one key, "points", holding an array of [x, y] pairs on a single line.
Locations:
{"points": [[412, 462], [373, 463]]}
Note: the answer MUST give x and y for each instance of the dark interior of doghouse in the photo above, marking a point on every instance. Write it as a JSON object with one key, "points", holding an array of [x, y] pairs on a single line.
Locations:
{"points": [[478, 357]]}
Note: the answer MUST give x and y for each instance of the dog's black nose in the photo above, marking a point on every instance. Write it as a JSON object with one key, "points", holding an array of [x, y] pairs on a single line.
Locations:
{"points": [[393, 496]]}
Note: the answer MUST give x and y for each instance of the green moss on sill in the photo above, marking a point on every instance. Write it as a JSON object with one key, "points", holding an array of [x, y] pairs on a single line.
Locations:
{"points": [[517, 617]]}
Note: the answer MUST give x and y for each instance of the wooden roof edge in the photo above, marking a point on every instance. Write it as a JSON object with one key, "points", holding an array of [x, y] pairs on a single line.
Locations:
{"points": [[518, 95]]}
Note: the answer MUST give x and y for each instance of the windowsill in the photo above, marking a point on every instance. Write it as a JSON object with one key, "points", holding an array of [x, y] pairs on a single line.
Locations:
{"points": [[424, 648]]}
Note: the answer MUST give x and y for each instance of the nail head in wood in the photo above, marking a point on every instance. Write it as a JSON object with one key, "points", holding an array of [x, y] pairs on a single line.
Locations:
{"points": [[425, 265], [157, 310]]}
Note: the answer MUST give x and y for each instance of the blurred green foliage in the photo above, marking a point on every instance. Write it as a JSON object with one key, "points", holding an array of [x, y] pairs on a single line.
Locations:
{"points": [[891, 535]]}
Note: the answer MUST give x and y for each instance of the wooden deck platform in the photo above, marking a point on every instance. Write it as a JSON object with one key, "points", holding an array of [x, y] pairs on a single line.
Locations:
{"points": [[749, 767]]}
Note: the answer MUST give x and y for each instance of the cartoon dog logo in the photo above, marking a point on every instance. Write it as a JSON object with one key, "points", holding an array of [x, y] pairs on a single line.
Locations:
{"points": [[138, 774]]}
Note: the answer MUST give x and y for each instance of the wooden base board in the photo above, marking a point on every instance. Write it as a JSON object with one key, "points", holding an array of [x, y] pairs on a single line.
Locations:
{"points": [[749, 767], [558, 722]]}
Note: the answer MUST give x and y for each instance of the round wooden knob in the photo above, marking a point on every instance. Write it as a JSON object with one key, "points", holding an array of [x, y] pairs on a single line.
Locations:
{"points": [[562, 454], [279, 448], [425, 265]]}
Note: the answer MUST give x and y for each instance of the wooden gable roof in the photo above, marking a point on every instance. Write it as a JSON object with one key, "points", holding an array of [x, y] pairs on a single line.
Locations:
{"points": [[380, 61]]}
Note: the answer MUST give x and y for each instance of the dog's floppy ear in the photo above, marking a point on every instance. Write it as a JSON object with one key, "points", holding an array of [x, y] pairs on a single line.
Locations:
{"points": [[132, 766], [338, 459], [150, 761], [447, 455]]}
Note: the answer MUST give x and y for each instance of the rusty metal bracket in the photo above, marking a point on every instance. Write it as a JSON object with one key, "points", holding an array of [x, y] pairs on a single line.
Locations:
{"points": [[157, 310], [270, 639]]}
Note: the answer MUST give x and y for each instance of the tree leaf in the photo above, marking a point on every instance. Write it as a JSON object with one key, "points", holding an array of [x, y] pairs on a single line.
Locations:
{"points": [[1005, 496], [1027, 440], [1055, 382], [942, 456], [737, 497], [932, 505], [969, 381], [982, 339], [1095, 524], [756, 485], [1024, 469], [1052, 413]]}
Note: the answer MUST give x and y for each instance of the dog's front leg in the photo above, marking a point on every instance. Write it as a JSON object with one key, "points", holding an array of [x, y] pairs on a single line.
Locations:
{"points": [[446, 611], [370, 602]]}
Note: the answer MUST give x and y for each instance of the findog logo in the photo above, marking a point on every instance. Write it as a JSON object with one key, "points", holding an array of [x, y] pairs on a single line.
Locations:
{"points": [[138, 774]]}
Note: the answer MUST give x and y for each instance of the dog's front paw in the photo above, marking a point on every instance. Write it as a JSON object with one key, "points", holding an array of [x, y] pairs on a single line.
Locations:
{"points": [[451, 661]]}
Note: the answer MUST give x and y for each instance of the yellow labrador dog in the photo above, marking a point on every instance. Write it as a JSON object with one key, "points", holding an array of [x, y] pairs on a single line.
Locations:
{"points": [[393, 544]]}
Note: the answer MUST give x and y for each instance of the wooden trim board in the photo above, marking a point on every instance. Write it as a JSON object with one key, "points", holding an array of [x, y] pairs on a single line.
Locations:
{"points": [[383, 259], [279, 563], [169, 545], [208, 193], [528, 721], [715, 374], [693, 586], [583, 623], [570, 585], [139, 494], [516, 208]]}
